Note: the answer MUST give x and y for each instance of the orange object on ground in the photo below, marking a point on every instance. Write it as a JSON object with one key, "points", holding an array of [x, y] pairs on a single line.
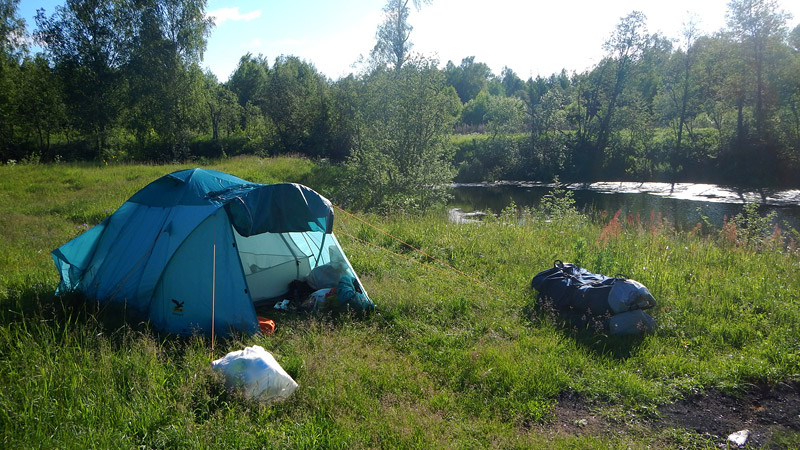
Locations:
{"points": [[267, 325]]}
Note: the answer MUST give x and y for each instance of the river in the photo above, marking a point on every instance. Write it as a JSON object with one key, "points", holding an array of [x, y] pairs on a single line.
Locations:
{"points": [[677, 202]]}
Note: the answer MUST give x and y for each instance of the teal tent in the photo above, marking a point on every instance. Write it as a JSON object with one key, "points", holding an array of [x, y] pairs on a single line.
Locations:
{"points": [[200, 243]]}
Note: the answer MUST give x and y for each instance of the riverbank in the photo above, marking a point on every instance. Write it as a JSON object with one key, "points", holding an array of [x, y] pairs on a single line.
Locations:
{"points": [[444, 361], [699, 192], [682, 204]]}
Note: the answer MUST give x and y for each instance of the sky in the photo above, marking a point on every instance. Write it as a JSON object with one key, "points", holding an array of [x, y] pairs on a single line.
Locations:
{"points": [[532, 37]]}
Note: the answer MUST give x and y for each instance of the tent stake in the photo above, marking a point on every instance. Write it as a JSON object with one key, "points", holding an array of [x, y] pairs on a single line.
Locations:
{"points": [[213, 285]]}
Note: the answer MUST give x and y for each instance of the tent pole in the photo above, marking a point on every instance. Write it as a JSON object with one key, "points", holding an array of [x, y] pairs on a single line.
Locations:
{"points": [[213, 285], [294, 255], [321, 246]]}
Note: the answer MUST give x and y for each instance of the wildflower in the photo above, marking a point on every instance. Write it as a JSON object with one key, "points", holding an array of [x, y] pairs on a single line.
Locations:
{"points": [[613, 229]]}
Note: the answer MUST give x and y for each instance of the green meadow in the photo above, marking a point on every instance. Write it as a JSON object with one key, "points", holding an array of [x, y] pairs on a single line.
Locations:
{"points": [[445, 361]]}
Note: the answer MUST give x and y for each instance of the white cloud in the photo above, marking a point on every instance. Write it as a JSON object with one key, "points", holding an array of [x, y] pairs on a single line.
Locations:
{"points": [[224, 14]]}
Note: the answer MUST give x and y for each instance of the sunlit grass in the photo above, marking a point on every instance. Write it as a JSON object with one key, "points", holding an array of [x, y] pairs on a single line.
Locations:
{"points": [[445, 361]]}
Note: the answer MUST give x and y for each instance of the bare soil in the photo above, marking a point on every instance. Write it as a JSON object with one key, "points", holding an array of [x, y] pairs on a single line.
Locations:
{"points": [[770, 413]]}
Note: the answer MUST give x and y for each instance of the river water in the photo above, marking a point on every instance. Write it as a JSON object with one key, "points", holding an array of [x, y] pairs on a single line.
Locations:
{"points": [[677, 202]]}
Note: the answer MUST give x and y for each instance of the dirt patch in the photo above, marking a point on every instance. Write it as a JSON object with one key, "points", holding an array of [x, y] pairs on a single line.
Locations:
{"points": [[760, 409], [574, 415], [768, 412]]}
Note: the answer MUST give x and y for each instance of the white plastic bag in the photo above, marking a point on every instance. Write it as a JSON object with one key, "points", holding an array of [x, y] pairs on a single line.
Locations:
{"points": [[256, 373], [324, 276], [328, 275]]}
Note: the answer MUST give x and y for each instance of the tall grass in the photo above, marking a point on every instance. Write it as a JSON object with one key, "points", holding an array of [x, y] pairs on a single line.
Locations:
{"points": [[445, 361]]}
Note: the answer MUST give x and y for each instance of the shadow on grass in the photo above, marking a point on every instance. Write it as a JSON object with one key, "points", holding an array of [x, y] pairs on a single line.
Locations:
{"points": [[40, 307], [590, 332], [87, 326], [40, 304]]}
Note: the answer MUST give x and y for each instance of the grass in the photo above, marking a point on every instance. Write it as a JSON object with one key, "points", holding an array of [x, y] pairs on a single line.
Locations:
{"points": [[444, 361]]}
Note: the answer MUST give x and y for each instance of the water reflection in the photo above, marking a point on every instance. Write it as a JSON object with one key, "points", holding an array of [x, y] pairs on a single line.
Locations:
{"points": [[677, 202]]}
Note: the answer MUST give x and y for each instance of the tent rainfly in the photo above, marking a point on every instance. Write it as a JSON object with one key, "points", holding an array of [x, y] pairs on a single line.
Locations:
{"points": [[197, 244]]}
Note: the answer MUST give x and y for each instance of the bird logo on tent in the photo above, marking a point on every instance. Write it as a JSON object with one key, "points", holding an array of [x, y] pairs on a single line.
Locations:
{"points": [[178, 306]]}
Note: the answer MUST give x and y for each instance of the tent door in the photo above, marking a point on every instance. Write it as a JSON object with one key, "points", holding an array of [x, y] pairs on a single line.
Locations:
{"points": [[182, 299], [270, 262]]}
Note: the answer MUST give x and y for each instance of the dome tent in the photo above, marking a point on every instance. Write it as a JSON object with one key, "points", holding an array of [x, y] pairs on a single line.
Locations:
{"points": [[199, 243]]}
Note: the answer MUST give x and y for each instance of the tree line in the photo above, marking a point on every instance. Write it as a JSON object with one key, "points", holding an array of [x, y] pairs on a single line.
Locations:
{"points": [[122, 80], [722, 108]]}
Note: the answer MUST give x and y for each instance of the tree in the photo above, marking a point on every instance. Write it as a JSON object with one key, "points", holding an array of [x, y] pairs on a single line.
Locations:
{"points": [[511, 82], [788, 117], [545, 116], [794, 39], [401, 155], [504, 115], [624, 48], [582, 107], [166, 81], [296, 100], [223, 109], [469, 78], [597, 94], [249, 83], [531, 94], [249, 80], [393, 45], [758, 24], [89, 42], [40, 108], [345, 116], [12, 30], [474, 111], [713, 59], [550, 116], [680, 86]]}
